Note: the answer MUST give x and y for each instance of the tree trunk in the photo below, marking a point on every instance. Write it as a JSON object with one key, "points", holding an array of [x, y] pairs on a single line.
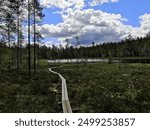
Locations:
{"points": [[34, 38], [29, 54], [18, 42]]}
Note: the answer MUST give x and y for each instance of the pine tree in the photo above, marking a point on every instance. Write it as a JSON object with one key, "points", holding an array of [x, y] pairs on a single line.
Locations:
{"points": [[7, 24], [29, 48], [37, 16]]}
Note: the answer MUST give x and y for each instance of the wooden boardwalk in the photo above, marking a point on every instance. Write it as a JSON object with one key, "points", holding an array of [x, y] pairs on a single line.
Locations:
{"points": [[65, 100]]}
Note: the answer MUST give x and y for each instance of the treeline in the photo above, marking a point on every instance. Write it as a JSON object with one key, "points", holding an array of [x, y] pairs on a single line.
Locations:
{"points": [[130, 47], [17, 18]]}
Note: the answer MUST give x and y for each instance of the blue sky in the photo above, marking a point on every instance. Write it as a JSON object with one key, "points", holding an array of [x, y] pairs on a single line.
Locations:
{"points": [[131, 10], [51, 17]]}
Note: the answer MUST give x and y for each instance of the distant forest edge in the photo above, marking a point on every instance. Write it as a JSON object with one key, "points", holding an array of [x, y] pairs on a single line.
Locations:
{"points": [[137, 48], [130, 50]]}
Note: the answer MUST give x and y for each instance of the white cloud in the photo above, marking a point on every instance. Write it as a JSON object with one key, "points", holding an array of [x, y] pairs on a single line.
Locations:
{"points": [[76, 4], [89, 25], [94, 25], [100, 2], [63, 4], [145, 23]]}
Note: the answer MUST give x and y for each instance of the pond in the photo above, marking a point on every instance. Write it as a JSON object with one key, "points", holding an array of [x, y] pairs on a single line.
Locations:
{"points": [[78, 60]]}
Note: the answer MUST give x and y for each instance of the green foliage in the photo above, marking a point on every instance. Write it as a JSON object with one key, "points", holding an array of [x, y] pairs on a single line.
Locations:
{"points": [[99, 87], [19, 94]]}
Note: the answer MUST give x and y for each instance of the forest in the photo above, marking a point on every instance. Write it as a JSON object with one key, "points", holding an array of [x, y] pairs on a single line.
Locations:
{"points": [[26, 85], [16, 51], [129, 47], [16, 19]]}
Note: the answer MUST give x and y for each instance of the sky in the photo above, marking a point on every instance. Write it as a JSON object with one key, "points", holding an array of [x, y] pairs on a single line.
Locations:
{"points": [[96, 21]]}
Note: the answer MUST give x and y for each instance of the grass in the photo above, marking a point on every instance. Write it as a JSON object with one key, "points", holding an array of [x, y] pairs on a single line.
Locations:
{"points": [[19, 94], [92, 87], [99, 87]]}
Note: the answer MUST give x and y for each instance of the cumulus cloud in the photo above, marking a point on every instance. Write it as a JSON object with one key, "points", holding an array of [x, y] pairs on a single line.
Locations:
{"points": [[63, 4], [145, 23], [100, 2], [77, 4], [90, 25]]}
